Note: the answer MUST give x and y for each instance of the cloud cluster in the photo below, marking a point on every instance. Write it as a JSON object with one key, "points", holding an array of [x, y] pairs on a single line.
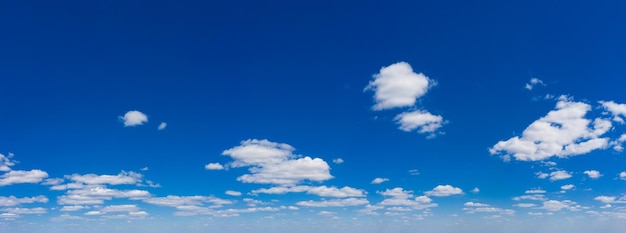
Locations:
{"points": [[562, 133], [533, 82], [275, 163], [398, 86]]}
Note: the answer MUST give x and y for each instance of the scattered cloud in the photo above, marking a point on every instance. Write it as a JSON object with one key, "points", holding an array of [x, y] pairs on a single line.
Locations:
{"points": [[622, 175], [556, 175], [533, 82], [6, 162], [338, 161], [14, 201], [444, 191], [617, 110], [420, 120], [274, 163], [134, 118], [214, 166], [122, 178], [474, 207], [475, 190], [553, 205], [398, 86], [322, 191], [567, 187], [414, 172], [535, 191], [562, 133], [379, 180], [334, 202], [593, 174], [233, 193], [162, 126], [20, 177]]}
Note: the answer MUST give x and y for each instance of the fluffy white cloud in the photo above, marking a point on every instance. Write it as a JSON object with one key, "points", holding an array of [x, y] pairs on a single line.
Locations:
{"points": [[214, 166], [622, 175], [379, 180], [553, 205], [335, 202], [274, 163], [14, 201], [72, 208], [6, 162], [617, 144], [232, 193], [162, 126], [19, 177], [96, 195], [563, 132], [122, 178], [17, 211], [400, 197], [322, 191], [567, 187], [120, 208], [534, 82], [475, 204], [398, 86], [134, 118], [179, 201], [535, 191], [593, 174], [560, 175], [338, 161], [420, 120], [605, 199], [618, 110], [444, 191]]}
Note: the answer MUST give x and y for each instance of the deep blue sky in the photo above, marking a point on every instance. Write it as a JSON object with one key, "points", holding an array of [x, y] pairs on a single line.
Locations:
{"points": [[251, 75]]}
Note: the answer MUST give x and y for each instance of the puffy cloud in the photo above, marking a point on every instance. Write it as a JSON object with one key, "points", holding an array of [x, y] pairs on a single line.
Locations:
{"points": [[560, 175], [96, 195], [214, 166], [398, 86], [617, 144], [618, 110], [400, 197], [562, 133], [162, 126], [322, 191], [622, 175], [19, 177], [335, 202], [534, 82], [122, 178], [6, 162], [605, 199], [444, 191], [274, 163], [534, 197], [134, 118], [593, 174], [18, 211], [422, 121], [14, 201], [232, 193], [567, 187], [338, 161], [379, 180], [553, 205]]}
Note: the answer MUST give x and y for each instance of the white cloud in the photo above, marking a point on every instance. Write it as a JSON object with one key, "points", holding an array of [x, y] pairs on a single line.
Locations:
{"points": [[72, 208], [535, 191], [420, 120], [178, 201], [120, 208], [533, 82], [233, 193], [616, 109], [534, 197], [475, 204], [593, 174], [567, 187], [560, 175], [274, 163], [335, 202], [605, 199], [96, 195], [562, 133], [6, 162], [475, 190], [400, 197], [473, 207], [553, 205], [18, 211], [617, 144], [444, 191], [338, 161], [134, 118], [414, 172], [622, 175], [122, 178], [214, 166], [525, 205], [379, 180], [322, 191], [398, 86], [162, 126], [19, 177], [14, 201]]}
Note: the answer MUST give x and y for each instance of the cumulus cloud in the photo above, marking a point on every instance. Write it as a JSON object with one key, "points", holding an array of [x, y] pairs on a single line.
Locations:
{"points": [[444, 191], [400, 197], [622, 175], [233, 193], [617, 110], [122, 178], [533, 82], [214, 166], [134, 118], [419, 120], [322, 191], [562, 133], [593, 174], [15, 201], [97, 194], [274, 163], [605, 199], [554, 205], [398, 86], [162, 126], [567, 187], [19, 177], [379, 180], [6, 162], [556, 175], [335, 202]]}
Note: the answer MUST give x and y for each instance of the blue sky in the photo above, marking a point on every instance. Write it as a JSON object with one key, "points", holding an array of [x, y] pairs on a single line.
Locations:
{"points": [[282, 116]]}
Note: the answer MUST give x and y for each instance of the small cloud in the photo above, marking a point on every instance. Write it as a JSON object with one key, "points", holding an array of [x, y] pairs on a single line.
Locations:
{"points": [[622, 175], [214, 166], [338, 161], [560, 175], [134, 118], [379, 180], [593, 174], [533, 82], [476, 190], [233, 193], [162, 126], [144, 169], [414, 172], [420, 121], [444, 191], [567, 187]]}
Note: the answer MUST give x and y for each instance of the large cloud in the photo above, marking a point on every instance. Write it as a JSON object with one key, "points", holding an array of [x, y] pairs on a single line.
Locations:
{"points": [[563, 132], [274, 163]]}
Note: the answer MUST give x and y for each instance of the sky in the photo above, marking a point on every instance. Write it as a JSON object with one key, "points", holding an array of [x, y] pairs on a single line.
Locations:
{"points": [[309, 116]]}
